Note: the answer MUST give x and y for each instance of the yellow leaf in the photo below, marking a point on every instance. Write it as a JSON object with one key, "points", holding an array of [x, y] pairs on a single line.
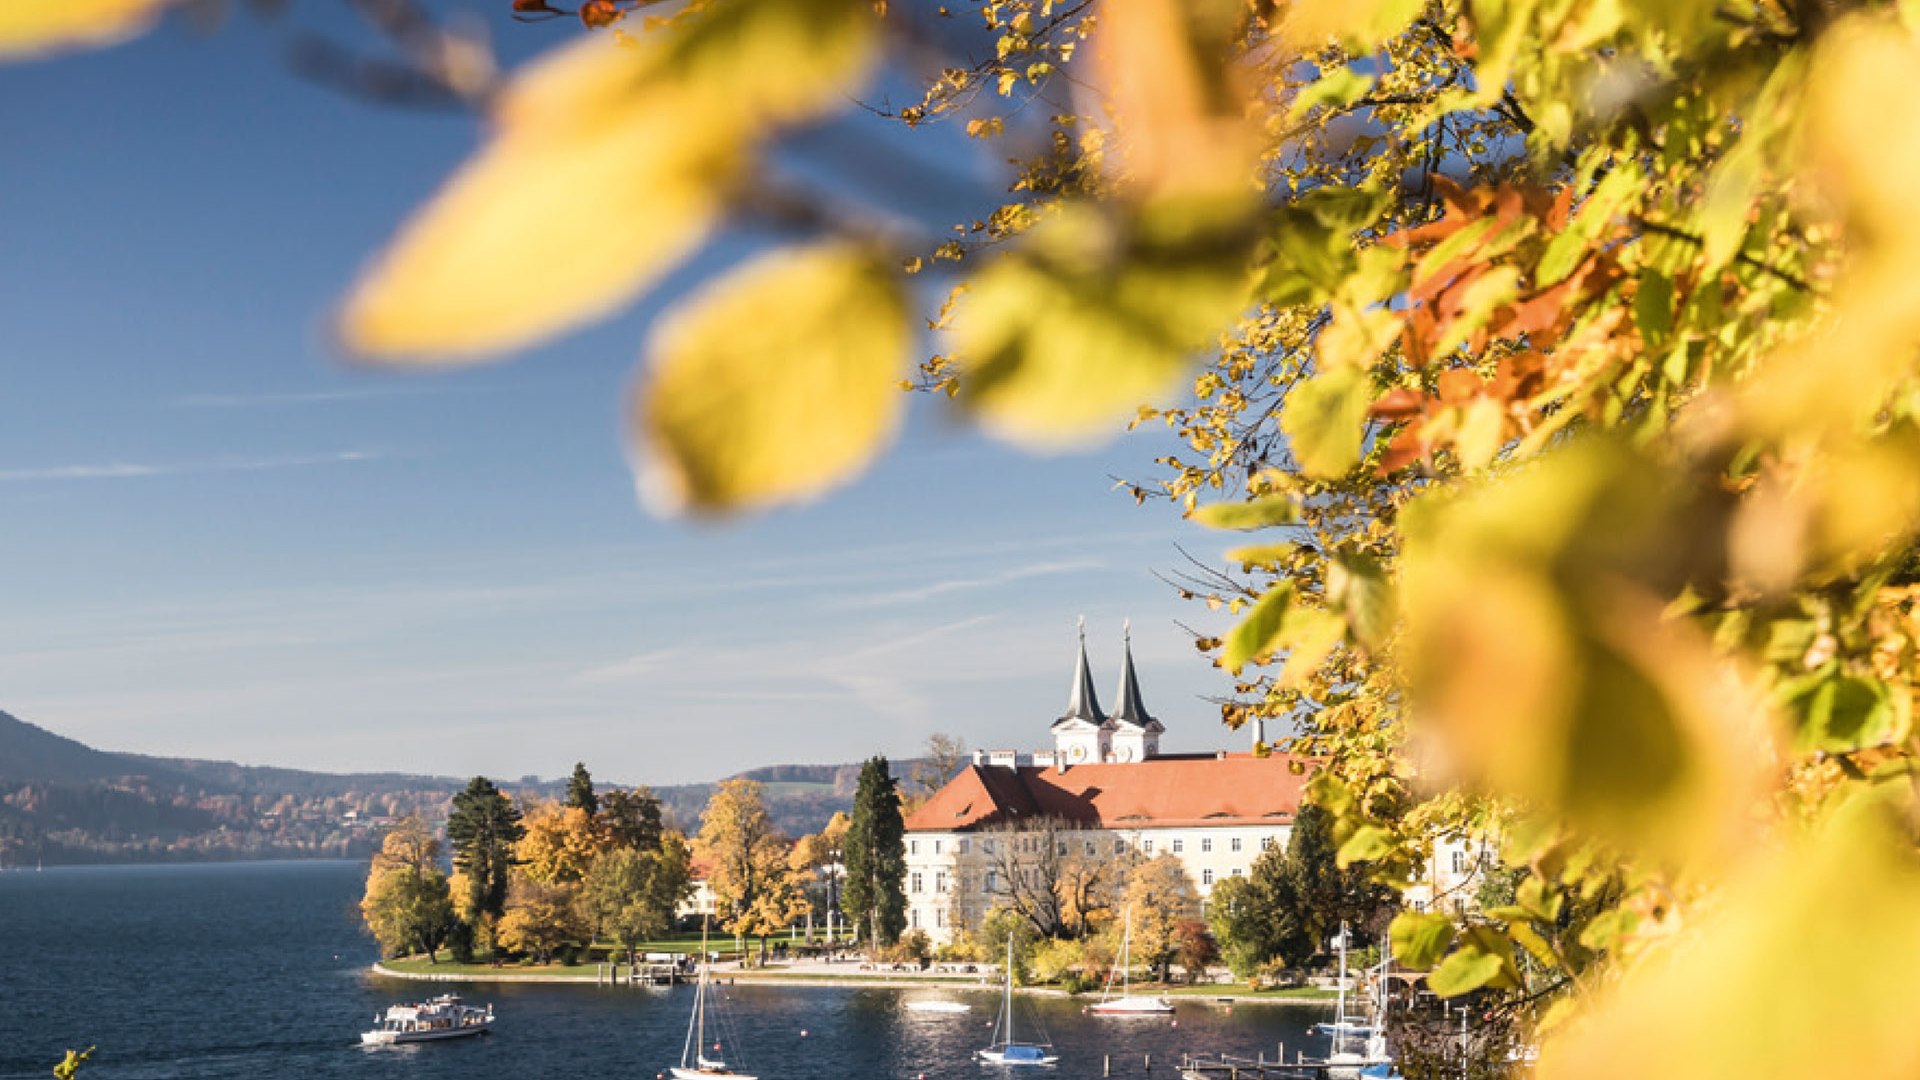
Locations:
{"points": [[607, 166], [1543, 666], [1362, 24], [1067, 336], [775, 383], [31, 27], [1185, 129], [1803, 971]]}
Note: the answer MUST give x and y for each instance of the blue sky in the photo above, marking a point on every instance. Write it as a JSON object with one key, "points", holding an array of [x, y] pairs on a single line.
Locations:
{"points": [[219, 540]]}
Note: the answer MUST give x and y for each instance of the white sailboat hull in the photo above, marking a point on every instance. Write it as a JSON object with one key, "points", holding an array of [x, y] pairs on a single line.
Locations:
{"points": [[1000, 1057], [680, 1073], [1133, 1005]]}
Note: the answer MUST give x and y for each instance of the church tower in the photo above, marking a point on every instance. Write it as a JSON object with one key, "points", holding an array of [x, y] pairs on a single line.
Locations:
{"points": [[1136, 734], [1082, 735]]}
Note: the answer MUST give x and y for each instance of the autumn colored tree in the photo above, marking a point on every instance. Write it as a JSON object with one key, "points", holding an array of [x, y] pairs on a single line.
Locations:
{"points": [[746, 852], [875, 897], [1159, 896], [1194, 947], [1053, 874], [820, 853], [407, 906], [559, 844], [541, 919]]}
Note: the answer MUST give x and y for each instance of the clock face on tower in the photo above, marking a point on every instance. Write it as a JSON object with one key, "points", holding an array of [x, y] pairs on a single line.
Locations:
{"points": [[1078, 753], [1124, 753]]}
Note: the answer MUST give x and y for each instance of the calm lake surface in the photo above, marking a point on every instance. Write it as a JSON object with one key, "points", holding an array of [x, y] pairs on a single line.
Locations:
{"points": [[260, 970]]}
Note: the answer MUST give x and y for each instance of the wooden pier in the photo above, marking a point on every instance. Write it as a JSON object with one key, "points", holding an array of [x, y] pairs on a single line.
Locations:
{"points": [[1230, 1067], [649, 974]]}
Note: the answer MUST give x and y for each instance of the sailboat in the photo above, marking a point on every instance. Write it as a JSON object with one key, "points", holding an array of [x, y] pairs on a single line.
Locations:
{"points": [[694, 1062], [1128, 1003], [1006, 1050], [1343, 1061]]}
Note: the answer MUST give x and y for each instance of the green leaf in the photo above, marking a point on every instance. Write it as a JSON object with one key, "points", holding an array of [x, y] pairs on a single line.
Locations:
{"points": [[1261, 556], [1840, 712], [1368, 843], [1309, 634], [1325, 421], [1358, 584], [1653, 307], [1338, 88], [1466, 970], [1257, 634], [775, 383], [1260, 513], [1420, 938]]}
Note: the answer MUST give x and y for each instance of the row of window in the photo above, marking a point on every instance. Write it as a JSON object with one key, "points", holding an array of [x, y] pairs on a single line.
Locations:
{"points": [[991, 882], [1028, 844]]}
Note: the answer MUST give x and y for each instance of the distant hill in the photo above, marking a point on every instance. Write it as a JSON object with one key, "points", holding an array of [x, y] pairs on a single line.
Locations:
{"points": [[64, 801], [30, 752]]}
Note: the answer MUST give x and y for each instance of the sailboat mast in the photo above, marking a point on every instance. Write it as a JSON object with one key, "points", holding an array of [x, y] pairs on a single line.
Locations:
{"points": [[1340, 1006], [1009, 1031]]}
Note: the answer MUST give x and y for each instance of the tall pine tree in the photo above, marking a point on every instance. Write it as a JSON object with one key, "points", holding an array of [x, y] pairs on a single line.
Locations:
{"points": [[483, 828], [875, 897], [580, 790]]}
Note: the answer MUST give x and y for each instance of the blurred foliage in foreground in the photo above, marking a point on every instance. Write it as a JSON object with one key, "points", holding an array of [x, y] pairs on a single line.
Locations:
{"points": [[1560, 353]]}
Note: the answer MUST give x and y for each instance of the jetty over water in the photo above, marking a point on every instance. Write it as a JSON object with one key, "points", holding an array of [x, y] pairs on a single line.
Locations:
{"points": [[1230, 1067]]}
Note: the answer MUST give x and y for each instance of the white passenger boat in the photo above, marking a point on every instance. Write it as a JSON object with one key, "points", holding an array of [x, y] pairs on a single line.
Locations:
{"points": [[443, 1017]]}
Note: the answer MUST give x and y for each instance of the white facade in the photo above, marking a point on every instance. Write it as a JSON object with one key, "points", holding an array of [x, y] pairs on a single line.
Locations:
{"points": [[951, 875]]}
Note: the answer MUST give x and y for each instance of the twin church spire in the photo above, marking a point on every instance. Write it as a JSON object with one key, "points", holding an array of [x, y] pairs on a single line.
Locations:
{"points": [[1085, 734]]}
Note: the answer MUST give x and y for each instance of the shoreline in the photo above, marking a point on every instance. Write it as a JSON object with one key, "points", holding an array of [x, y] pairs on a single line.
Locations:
{"points": [[1227, 1000]]}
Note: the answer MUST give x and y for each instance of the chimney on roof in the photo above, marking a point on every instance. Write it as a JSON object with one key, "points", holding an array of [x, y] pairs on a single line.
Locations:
{"points": [[1259, 732]]}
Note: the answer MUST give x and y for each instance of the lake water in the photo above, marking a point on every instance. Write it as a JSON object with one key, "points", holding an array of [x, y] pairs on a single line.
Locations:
{"points": [[260, 970]]}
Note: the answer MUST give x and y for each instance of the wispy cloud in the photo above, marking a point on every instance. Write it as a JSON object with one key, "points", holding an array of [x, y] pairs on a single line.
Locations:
{"points": [[325, 397], [922, 593], [128, 470]]}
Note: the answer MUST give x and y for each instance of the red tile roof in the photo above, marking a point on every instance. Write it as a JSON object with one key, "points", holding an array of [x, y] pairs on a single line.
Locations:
{"points": [[1184, 790]]}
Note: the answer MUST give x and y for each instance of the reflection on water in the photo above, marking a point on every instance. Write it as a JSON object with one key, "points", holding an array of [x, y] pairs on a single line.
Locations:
{"points": [[259, 970]]}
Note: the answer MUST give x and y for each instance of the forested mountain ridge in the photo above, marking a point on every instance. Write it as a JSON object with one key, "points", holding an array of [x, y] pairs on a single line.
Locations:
{"points": [[62, 801]]}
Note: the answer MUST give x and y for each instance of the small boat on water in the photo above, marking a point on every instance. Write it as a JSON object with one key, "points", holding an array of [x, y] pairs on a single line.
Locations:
{"points": [[1128, 1003], [939, 1006], [444, 1017], [1006, 1050]]}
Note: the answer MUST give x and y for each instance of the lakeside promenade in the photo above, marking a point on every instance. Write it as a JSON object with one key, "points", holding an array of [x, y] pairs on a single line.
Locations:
{"points": [[815, 972]]}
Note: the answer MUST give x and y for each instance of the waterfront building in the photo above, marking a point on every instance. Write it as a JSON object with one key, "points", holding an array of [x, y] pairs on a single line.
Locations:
{"points": [[1106, 793]]}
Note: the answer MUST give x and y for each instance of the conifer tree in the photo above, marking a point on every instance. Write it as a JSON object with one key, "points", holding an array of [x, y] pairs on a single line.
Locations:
{"points": [[483, 828], [875, 897], [580, 790]]}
